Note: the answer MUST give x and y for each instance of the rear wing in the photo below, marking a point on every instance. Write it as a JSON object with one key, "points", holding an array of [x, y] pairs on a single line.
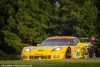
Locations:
{"points": [[86, 39]]}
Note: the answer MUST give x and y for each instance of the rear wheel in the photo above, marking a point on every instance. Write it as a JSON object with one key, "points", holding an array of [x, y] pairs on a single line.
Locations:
{"points": [[91, 52], [68, 53], [84, 52], [88, 52]]}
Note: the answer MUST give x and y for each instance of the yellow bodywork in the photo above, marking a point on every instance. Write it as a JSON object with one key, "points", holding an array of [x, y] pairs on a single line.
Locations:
{"points": [[48, 52]]}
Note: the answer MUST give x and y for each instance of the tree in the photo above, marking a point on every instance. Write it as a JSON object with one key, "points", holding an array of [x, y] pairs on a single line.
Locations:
{"points": [[25, 22], [87, 20], [63, 18]]}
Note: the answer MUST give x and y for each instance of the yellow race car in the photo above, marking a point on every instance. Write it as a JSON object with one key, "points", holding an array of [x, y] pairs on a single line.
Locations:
{"points": [[59, 47]]}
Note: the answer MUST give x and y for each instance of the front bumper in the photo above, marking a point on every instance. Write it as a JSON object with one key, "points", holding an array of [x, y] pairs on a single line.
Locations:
{"points": [[29, 56]]}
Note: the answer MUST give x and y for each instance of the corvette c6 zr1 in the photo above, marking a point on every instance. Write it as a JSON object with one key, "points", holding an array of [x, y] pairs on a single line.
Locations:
{"points": [[59, 47]]}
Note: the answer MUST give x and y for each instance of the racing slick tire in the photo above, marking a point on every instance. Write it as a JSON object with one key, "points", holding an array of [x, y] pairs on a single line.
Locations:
{"points": [[91, 52], [68, 53]]}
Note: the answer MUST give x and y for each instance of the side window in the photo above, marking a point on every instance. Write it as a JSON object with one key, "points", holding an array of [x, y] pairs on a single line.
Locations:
{"points": [[75, 41]]}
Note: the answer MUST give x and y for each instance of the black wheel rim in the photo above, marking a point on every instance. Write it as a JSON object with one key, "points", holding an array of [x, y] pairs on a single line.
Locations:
{"points": [[91, 52], [68, 53]]}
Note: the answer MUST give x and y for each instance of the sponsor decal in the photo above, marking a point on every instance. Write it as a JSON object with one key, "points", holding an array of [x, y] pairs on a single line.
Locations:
{"points": [[76, 52]]}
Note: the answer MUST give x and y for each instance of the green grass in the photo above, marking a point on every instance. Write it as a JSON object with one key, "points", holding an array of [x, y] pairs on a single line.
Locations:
{"points": [[89, 62]]}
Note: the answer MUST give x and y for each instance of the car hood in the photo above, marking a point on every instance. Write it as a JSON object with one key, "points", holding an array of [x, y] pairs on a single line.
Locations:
{"points": [[42, 47]]}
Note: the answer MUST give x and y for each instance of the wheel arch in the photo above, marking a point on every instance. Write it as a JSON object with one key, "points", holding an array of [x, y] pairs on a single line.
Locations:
{"points": [[68, 52]]}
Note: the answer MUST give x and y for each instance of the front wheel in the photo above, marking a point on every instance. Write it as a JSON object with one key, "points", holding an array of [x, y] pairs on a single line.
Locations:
{"points": [[68, 53]]}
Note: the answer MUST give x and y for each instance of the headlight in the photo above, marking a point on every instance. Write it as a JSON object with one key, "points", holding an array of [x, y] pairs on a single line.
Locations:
{"points": [[27, 49], [56, 49], [85, 47]]}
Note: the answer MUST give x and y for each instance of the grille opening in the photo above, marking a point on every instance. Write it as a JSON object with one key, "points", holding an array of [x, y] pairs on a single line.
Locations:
{"points": [[42, 57]]}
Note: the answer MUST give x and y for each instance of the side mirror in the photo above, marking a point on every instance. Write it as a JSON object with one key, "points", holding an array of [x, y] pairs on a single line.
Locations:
{"points": [[38, 44]]}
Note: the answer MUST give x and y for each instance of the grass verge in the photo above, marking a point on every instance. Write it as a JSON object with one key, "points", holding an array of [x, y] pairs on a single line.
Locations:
{"points": [[89, 62]]}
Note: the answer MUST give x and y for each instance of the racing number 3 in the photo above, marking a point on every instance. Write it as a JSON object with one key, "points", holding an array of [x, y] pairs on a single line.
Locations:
{"points": [[77, 53]]}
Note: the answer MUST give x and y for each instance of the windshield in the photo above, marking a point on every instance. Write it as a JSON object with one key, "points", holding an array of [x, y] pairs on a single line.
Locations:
{"points": [[55, 42]]}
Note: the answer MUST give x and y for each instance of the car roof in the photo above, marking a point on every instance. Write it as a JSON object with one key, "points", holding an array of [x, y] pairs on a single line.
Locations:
{"points": [[61, 37]]}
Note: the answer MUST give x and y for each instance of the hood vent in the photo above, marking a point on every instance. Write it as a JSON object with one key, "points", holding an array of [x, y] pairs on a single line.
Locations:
{"points": [[40, 50]]}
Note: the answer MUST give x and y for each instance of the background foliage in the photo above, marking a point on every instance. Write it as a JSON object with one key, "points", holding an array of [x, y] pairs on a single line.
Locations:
{"points": [[29, 22]]}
